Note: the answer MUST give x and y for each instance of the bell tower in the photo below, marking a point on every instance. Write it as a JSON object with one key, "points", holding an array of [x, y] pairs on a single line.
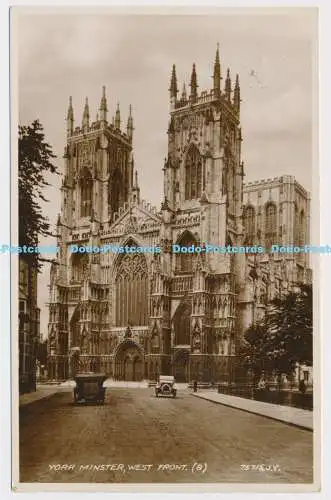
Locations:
{"points": [[98, 166], [203, 169]]}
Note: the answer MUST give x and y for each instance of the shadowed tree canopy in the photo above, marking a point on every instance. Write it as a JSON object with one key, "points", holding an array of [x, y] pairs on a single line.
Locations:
{"points": [[285, 337], [35, 162]]}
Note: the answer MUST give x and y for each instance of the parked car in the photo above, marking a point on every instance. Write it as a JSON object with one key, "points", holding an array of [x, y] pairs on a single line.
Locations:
{"points": [[89, 388], [166, 386]]}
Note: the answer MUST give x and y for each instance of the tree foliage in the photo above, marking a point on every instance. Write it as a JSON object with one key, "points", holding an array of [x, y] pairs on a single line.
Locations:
{"points": [[284, 337], [35, 162]]}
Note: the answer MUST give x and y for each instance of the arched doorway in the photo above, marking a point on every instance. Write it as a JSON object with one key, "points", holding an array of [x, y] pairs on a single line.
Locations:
{"points": [[129, 362], [181, 365]]}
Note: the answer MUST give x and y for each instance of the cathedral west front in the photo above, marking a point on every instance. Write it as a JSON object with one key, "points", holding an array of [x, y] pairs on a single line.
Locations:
{"points": [[135, 315]]}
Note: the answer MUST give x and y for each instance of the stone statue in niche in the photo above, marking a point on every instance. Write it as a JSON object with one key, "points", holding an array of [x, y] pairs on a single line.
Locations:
{"points": [[196, 342], [128, 332]]}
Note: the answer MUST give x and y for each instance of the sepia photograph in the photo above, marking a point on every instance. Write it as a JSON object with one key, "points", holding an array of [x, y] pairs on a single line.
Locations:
{"points": [[165, 236]]}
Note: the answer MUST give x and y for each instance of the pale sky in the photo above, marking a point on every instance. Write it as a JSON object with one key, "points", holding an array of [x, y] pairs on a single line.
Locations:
{"points": [[74, 54]]}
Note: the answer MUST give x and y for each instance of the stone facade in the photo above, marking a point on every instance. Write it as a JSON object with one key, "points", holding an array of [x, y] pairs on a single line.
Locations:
{"points": [[29, 332], [135, 316]]}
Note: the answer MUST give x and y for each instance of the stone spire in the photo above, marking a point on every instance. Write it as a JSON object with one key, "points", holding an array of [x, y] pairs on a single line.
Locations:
{"points": [[184, 94], [118, 117], [217, 73], [236, 95], [228, 86], [86, 116], [135, 189], [129, 127], [70, 118], [103, 106], [194, 84], [173, 83]]}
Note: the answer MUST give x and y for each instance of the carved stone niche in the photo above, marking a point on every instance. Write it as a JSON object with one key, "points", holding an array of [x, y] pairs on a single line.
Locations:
{"points": [[196, 339], [155, 339], [128, 333]]}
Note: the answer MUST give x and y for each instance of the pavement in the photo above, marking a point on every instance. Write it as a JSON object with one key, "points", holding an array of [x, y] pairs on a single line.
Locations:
{"points": [[43, 392], [287, 414], [138, 438]]}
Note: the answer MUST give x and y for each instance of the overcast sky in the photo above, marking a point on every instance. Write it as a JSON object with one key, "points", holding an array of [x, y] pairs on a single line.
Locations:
{"points": [[74, 54]]}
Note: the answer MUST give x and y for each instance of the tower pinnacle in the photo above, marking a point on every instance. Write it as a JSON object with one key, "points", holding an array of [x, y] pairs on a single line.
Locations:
{"points": [[103, 105], [236, 95], [184, 95], [86, 115], [129, 128], [173, 84], [217, 73], [194, 84], [70, 118], [118, 117], [228, 86]]}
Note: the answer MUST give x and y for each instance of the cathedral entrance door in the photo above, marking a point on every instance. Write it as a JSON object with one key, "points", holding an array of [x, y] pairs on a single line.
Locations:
{"points": [[137, 369], [127, 369], [129, 362], [181, 366]]}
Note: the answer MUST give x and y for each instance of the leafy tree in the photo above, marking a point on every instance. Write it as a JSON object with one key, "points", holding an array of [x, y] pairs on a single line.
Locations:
{"points": [[35, 157], [285, 336]]}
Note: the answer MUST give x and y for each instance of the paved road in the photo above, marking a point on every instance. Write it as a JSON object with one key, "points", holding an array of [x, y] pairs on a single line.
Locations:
{"points": [[134, 427]]}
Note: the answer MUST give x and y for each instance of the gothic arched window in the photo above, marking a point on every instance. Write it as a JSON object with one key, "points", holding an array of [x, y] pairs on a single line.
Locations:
{"points": [[270, 224], [193, 174], [86, 187], [114, 191], [185, 260], [131, 291], [249, 224]]}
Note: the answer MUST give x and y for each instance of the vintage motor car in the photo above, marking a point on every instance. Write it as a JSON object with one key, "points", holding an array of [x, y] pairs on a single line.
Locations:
{"points": [[89, 388], [166, 386]]}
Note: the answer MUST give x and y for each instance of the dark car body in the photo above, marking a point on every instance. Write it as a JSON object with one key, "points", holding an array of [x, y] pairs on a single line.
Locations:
{"points": [[166, 386], [89, 388]]}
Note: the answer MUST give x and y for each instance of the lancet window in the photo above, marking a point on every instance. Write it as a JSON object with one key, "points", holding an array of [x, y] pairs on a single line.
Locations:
{"points": [[86, 187], [193, 174], [270, 224]]}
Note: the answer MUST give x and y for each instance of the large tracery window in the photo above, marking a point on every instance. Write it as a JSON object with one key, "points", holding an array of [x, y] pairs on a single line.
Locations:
{"points": [[86, 187], [270, 224], [185, 260], [114, 191], [193, 174], [249, 225], [131, 291]]}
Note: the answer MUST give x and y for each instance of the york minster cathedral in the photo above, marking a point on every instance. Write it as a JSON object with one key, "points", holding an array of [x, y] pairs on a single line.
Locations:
{"points": [[135, 316]]}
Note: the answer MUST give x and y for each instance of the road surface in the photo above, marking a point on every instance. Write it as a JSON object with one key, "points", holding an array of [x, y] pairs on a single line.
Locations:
{"points": [[136, 438]]}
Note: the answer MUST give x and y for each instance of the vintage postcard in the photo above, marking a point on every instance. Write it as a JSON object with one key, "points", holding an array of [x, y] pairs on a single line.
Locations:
{"points": [[164, 245]]}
